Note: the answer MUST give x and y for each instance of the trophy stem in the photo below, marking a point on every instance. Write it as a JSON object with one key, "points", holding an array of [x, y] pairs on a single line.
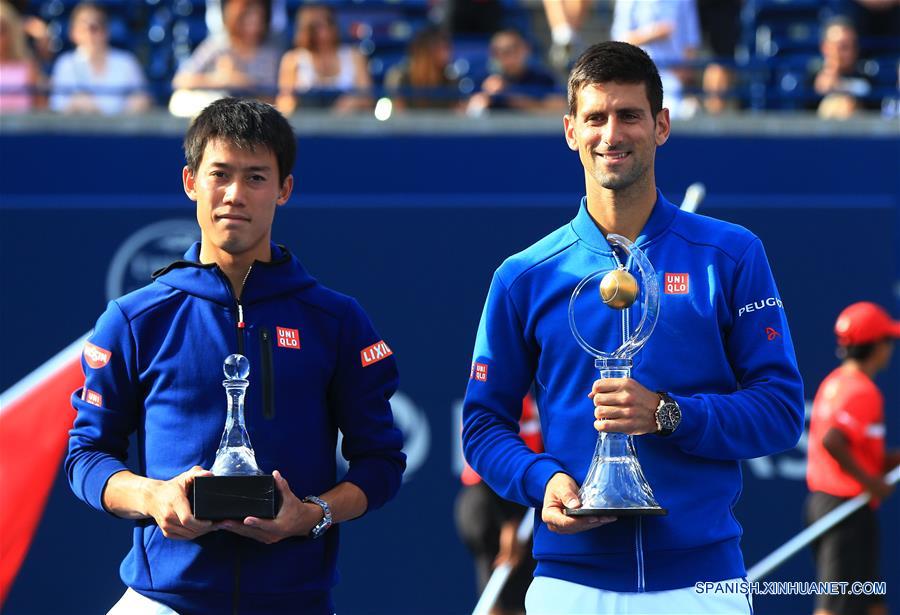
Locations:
{"points": [[614, 368]]}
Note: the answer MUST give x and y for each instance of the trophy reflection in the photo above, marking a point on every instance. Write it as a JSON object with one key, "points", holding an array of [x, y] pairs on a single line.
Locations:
{"points": [[615, 484], [238, 488]]}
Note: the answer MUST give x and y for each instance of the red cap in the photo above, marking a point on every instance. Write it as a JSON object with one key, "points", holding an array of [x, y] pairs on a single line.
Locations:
{"points": [[864, 323]]}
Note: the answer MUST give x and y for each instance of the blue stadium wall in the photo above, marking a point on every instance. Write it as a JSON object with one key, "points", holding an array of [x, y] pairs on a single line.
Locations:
{"points": [[414, 226]]}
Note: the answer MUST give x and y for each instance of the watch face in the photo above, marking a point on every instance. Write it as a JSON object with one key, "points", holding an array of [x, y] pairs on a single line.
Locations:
{"points": [[671, 416]]}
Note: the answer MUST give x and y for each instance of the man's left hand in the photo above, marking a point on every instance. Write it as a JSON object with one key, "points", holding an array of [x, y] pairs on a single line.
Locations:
{"points": [[624, 405], [296, 518]]}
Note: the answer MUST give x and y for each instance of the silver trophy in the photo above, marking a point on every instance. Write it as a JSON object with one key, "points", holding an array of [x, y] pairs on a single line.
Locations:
{"points": [[238, 488], [615, 484]]}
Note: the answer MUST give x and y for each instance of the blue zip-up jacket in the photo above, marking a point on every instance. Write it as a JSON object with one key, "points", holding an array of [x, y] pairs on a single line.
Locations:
{"points": [[721, 348], [153, 365]]}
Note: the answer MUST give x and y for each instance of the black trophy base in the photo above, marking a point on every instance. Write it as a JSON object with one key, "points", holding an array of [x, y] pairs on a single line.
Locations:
{"points": [[217, 498], [615, 512]]}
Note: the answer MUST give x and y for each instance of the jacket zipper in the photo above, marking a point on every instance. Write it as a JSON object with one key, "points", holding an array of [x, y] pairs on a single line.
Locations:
{"points": [[268, 372], [241, 325], [639, 548]]}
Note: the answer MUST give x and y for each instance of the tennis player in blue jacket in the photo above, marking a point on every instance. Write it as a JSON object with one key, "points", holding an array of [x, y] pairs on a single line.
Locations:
{"points": [[153, 366], [721, 354]]}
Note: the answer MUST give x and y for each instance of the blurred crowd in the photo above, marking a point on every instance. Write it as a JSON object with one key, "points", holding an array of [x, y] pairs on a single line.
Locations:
{"points": [[837, 58]]}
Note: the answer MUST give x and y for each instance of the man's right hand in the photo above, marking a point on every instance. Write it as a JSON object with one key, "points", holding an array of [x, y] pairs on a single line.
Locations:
{"points": [[561, 493], [168, 504]]}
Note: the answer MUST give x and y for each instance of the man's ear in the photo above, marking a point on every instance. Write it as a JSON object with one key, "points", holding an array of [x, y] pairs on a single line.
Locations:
{"points": [[287, 187], [187, 178], [663, 126], [569, 128]]}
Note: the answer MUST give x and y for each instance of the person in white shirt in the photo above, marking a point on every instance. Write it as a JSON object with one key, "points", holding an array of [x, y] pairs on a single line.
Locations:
{"points": [[669, 31], [94, 77], [319, 71]]}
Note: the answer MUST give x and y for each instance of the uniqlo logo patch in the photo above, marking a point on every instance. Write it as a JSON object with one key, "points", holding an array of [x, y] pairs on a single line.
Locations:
{"points": [[479, 372], [92, 397], [95, 356], [677, 284], [288, 338], [374, 353]]}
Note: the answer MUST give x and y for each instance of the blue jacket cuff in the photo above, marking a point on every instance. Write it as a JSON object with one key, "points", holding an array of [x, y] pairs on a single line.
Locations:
{"points": [[694, 418], [536, 477], [379, 479]]}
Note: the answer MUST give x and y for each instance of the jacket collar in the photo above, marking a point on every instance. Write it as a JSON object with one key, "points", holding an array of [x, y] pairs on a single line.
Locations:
{"points": [[658, 222], [283, 274]]}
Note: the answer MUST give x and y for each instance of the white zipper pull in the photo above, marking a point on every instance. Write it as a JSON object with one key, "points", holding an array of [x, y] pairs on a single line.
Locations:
{"points": [[240, 316]]}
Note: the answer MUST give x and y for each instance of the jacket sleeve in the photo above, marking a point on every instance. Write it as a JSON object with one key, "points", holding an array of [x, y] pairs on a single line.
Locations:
{"points": [[765, 415], [365, 379], [502, 371], [107, 408]]}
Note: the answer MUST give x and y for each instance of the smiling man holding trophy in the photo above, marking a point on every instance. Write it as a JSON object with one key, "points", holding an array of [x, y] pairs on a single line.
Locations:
{"points": [[681, 316]]}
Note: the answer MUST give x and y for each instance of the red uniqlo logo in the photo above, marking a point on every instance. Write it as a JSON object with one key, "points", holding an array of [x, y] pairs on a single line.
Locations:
{"points": [[677, 284], [288, 338], [93, 397], [479, 372]]}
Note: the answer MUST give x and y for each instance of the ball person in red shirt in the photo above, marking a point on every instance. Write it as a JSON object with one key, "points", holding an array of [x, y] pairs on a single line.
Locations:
{"points": [[847, 456]]}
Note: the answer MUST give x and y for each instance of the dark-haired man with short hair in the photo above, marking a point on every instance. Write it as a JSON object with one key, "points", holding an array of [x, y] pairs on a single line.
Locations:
{"points": [[153, 365], [847, 456], [720, 358]]}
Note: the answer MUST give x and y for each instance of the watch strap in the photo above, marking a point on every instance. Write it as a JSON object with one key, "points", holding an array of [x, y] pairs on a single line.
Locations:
{"points": [[322, 526]]}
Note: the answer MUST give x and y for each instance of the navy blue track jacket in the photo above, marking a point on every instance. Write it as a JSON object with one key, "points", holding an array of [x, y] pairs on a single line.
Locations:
{"points": [[153, 366]]}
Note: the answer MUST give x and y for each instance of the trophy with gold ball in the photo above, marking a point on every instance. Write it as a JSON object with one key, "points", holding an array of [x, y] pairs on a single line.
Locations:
{"points": [[615, 484]]}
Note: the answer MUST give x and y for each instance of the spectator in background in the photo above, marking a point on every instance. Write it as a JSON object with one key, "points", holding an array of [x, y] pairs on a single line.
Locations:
{"points": [[278, 21], [94, 77], [718, 85], [565, 19], [243, 63], [847, 456], [515, 83], [720, 25], [36, 30], [20, 76], [321, 71], [840, 87], [425, 80], [670, 34]]}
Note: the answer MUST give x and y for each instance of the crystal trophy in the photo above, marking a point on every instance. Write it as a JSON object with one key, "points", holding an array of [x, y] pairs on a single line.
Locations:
{"points": [[615, 484], [237, 488]]}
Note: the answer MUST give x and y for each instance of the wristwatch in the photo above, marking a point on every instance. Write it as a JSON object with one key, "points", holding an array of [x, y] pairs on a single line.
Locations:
{"points": [[668, 414], [323, 525]]}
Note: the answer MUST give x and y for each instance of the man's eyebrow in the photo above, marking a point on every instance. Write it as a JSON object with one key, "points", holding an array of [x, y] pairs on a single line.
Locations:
{"points": [[637, 110], [255, 167], [593, 112]]}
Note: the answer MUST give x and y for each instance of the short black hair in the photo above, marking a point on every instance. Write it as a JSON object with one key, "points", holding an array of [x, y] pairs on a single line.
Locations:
{"points": [[245, 123], [617, 62], [857, 352]]}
